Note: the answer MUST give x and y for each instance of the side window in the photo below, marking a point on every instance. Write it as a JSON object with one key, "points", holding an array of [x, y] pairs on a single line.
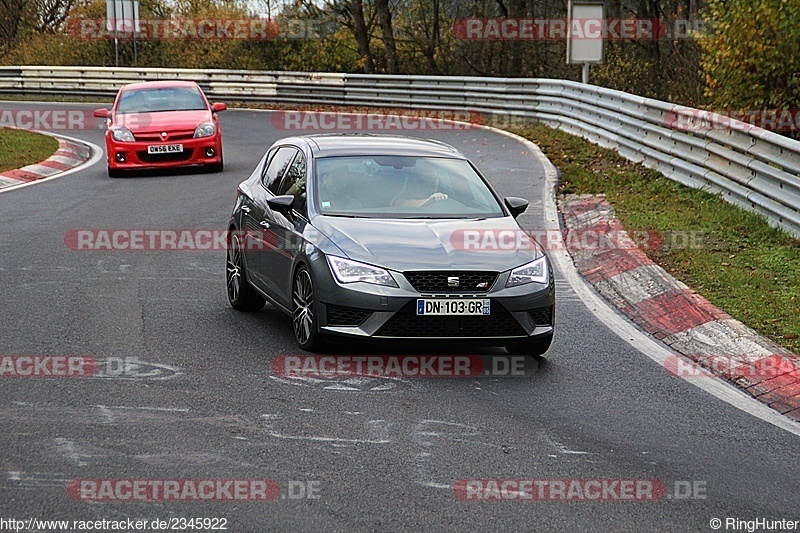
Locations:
{"points": [[264, 164], [276, 167], [294, 183]]}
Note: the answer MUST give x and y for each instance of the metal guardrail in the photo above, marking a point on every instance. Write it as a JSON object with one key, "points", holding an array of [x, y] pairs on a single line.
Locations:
{"points": [[751, 167]]}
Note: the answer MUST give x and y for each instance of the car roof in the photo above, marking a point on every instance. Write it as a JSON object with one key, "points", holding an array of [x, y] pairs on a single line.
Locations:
{"points": [[332, 145], [162, 84]]}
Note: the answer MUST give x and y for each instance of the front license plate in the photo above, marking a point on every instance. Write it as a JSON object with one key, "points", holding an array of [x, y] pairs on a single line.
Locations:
{"points": [[165, 149], [452, 307]]}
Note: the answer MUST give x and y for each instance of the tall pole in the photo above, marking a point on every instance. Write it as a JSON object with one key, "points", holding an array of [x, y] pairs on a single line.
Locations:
{"points": [[135, 12], [116, 37]]}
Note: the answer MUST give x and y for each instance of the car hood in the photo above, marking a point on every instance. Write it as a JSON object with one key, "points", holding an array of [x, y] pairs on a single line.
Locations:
{"points": [[162, 121], [496, 244]]}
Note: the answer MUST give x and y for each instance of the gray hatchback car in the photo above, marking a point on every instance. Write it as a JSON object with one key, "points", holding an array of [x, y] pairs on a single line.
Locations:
{"points": [[387, 237]]}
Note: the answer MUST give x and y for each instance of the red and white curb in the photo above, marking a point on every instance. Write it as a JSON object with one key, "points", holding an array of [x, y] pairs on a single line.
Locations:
{"points": [[678, 316], [70, 154]]}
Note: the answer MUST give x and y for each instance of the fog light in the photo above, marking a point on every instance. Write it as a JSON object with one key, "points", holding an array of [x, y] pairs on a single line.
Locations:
{"points": [[120, 157], [210, 152]]}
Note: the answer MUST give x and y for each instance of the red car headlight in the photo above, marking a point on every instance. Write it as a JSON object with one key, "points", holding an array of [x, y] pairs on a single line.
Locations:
{"points": [[122, 134], [206, 129]]}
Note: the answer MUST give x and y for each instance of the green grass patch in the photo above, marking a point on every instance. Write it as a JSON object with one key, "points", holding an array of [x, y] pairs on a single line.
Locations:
{"points": [[740, 264], [19, 148]]}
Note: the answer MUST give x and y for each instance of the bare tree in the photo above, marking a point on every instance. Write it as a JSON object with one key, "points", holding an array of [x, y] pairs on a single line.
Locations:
{"points": [[11, 12], [385, 22], [51, 14]]}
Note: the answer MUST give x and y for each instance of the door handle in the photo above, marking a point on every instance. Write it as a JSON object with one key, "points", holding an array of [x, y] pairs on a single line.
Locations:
{"points": [[264, 224], [245, 210]]}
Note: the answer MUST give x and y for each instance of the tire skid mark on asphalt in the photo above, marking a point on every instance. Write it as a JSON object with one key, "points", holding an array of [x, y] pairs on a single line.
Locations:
{"points": [[21, 480], [425, 435], [370, 432], [343, 384], [75, 453], [94, 414], [134, 369], [561, 447]]}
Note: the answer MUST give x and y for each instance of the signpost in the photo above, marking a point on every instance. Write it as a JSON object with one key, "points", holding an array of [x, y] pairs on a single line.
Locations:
{"points": [[584, 48], [122, 16]]}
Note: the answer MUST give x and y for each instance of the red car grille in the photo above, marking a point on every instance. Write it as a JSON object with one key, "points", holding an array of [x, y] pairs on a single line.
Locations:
{"points": [[156, 137]]}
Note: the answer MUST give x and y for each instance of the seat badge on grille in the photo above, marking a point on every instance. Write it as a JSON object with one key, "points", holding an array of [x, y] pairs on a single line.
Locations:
{"points": [[453, 281], [482, 285]]}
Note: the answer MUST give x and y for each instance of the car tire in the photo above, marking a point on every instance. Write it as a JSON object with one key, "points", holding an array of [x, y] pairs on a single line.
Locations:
{"points": [[535, 347], [305, 312], [113, 173], [241, 294]]}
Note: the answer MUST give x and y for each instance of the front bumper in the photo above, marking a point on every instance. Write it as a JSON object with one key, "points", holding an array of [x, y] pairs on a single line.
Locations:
{"points": [[195, 152], [365, 310]]}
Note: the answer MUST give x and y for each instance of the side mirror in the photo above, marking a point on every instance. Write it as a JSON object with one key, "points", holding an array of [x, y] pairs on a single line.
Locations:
{"points": [[517, 206], [219, 106], [281, 204], [102, 113]]}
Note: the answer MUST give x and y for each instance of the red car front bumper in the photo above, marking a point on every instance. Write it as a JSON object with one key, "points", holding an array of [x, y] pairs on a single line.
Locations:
{"points": [[134, 155]]}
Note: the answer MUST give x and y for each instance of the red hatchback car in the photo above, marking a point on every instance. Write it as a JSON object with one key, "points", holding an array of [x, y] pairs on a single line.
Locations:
{"points": [[162, 124]]}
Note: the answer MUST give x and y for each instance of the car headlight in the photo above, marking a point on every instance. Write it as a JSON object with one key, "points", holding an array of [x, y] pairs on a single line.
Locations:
{"points": [[347, 271], [122, 134], [533, 272], [206, 129]]}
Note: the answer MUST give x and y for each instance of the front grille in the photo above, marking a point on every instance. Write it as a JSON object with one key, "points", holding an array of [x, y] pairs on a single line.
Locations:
{"points": [[346, 316], [542, 316], [436, 281], [165, 158], [406, 323]]}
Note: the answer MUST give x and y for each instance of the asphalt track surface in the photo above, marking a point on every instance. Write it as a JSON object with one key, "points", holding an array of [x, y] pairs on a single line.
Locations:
{"points": [[382, 454]]}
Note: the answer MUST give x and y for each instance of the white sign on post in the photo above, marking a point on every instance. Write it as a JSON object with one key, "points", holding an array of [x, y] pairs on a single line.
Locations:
{"points": [[122, 16], [585, 34]]}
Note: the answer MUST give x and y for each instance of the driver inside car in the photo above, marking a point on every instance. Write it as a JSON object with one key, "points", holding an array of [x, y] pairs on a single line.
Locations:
{"points": [[420, 190]]}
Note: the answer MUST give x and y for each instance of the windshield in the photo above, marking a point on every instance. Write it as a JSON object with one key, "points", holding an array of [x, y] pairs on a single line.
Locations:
{"points": [[163, 99], [402, 187]]}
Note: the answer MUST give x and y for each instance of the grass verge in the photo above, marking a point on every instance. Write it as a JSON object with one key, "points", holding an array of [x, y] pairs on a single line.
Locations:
{"points": [[741, 264], [19, 148]]}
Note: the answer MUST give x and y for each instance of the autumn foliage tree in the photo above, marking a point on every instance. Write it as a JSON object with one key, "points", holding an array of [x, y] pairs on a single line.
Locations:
{"points": [[751, 59]]}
